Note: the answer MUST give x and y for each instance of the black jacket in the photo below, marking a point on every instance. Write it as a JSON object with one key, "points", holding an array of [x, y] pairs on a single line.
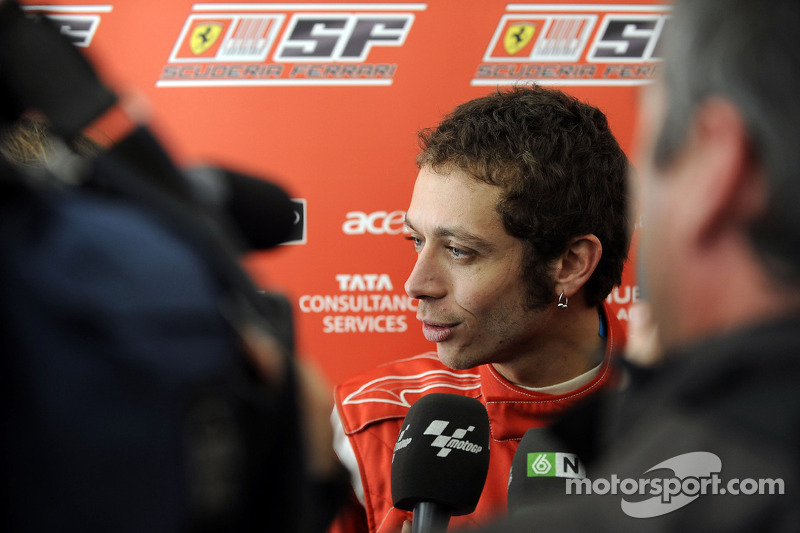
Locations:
{"points": [[735, 397]]}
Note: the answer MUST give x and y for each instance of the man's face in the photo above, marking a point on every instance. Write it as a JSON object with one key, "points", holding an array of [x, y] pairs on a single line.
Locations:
{"points": [[468, 274]]}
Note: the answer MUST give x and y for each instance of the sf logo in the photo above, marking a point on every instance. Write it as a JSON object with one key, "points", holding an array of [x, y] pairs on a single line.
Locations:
{"points": [[341, 37]]}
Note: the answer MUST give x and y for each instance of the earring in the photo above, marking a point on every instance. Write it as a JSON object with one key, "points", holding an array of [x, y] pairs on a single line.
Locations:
{"points": [[562, 301]]}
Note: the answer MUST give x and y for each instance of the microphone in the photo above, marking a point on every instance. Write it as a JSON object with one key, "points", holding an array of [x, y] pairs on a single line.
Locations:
{"points": [[440, 460], [262, 212], [540, 468]]}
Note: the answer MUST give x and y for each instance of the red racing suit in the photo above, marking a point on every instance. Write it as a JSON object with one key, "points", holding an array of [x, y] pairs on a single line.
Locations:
{"points": [[373, 405]]}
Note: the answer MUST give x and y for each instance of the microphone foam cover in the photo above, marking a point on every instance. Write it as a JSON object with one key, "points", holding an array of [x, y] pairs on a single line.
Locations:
{"points": [[540, 468], [262, 210], [442, 454]]}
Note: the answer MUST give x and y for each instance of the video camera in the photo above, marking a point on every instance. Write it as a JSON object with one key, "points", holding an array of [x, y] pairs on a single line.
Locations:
{"points": [[130, 401]]}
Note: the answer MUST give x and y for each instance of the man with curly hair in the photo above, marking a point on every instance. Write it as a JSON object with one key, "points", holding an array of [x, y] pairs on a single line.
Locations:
{"points": [[518, 219]]}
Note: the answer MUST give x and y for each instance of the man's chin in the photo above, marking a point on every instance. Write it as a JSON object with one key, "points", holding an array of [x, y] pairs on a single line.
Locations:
{"points": [[454, 359]]}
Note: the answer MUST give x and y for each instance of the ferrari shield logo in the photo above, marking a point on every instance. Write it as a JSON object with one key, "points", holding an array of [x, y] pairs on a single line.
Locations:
{"points": [[204, 36], [517, 36]]}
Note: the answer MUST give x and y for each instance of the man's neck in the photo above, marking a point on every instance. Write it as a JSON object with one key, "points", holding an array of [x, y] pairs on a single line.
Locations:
{"points": [[573, 347], [739, 296]]}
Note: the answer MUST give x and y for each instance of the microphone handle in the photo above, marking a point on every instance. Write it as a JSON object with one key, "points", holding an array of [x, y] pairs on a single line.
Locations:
{"points": [[429, 517]]}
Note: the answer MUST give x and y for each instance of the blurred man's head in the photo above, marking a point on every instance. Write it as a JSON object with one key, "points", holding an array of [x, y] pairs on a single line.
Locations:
{"points": [[721, 165]]}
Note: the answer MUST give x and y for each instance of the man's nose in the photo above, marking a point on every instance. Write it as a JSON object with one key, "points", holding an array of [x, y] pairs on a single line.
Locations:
{"points": [[427, 278]]}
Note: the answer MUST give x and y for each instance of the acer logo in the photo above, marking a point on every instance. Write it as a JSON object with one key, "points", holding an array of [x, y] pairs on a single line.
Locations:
{"points": [[377, 223]]}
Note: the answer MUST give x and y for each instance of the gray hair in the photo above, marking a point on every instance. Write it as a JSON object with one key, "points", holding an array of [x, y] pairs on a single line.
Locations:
{"points": [[745, 51]]}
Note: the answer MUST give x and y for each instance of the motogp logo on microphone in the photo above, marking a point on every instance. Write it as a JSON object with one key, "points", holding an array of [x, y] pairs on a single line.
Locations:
{"points": [[447, 443]]}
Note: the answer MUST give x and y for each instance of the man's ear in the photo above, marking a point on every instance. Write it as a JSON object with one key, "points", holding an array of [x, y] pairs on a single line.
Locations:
{"points": [[576, 265], [728, 189]]}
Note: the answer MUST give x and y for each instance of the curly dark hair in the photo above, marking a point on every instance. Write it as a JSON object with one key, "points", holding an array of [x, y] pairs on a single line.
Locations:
{"points": [[562, 172]]}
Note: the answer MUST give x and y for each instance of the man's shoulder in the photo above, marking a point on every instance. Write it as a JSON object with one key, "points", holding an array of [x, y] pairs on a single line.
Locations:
{"points": [[387, 391]]}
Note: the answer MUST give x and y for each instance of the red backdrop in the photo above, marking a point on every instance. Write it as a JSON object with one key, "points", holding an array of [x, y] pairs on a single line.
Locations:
{"points": [[326, 99]]}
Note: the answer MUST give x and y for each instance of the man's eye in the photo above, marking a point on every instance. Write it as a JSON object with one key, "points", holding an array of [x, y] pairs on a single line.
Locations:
{"points": [[458, 252], [416, 241]]}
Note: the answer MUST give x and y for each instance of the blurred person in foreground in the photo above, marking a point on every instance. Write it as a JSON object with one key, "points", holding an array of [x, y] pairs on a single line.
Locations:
{"points": [[518, 218], [709, 439], [140, 387]]}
